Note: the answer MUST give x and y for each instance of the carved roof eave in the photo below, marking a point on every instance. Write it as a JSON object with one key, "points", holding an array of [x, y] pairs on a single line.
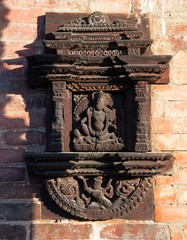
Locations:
{"points": [[75, 68], [50, 164]]}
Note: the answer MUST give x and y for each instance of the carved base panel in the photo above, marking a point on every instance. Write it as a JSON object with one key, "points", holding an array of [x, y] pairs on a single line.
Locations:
{"points": [[98, 198]]}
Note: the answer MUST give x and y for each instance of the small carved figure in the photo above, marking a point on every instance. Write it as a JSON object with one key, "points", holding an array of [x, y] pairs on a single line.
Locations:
{"points": [[98, 127], [99, 193]]}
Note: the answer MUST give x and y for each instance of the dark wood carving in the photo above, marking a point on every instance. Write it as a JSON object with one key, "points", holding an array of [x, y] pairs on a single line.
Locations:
{"points": [[97, 70]]}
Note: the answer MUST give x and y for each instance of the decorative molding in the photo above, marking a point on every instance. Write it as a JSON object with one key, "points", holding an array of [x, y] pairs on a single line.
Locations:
{"points": [[99, 22], [96, 201]]}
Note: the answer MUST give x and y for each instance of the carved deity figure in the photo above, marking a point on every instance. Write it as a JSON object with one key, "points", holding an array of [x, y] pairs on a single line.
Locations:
{"points": [[98, 127], [98, 193]]}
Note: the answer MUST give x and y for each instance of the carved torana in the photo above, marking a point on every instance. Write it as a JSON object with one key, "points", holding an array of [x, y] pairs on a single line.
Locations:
{"points": [[97, 70]]}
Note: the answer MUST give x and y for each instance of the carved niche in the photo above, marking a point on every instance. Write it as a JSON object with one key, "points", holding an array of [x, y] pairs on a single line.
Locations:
{"points": [[97, 71]]}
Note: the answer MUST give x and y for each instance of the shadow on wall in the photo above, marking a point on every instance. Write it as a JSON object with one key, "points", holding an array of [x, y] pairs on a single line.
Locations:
{"points": [[22, 128]]}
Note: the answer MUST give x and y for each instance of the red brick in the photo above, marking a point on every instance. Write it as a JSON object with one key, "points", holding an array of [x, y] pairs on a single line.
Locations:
{"points": [[12, 174], [165, 213], [11, 103], [185, 231], [10, 155], [13, 231], [165, 195], [176, 233], [176, 109], [15, 49], [182, 195], [36, 101], [168, 142], [118, 6], [169, 92], [181, 158], [167, 45], [178, 75], [180, 177], [17, 191], [164, 180], [157, 108], [137, 6], [14, 121], [161, 125], [23, 211], [25, 15], [117, 230], [20, 32], [24, 138], [180, 59], [37, 119], [64, 230]]}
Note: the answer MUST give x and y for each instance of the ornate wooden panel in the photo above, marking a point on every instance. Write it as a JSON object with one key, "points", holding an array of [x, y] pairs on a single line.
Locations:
{"points": [[97, 70]]}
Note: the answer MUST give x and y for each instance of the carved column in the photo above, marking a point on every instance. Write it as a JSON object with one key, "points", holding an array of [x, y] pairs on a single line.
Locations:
{"points": [[57, 125], [142, 99]]}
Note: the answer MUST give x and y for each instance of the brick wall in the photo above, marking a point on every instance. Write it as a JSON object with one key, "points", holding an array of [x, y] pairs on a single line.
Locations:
{"points": [[22, 123]]}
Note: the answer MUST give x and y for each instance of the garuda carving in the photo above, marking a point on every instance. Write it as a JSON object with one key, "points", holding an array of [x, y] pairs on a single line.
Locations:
{"points": [[99, 197], [96, 127]]}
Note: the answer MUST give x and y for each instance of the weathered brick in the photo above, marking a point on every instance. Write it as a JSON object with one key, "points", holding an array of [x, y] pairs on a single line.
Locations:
{"points": [[161, 125], [25, 15], [15, 120], [20, 32], [14, 49], [180, 177], [118, 6], [64, 230], [36, 101], [185, 231], [11, 103], [182, 195], [178, 75], [157, 108], [11, 231], [169, 92], [175, 109], [164, 180], [181, 158], [17, 191], [16, 211], [11, 174], [179, 60], [170, 213], [24, 138], [176, 233], [165, 195], [37, 118], [10, 155], [167, 45], [167, 142], [119, 230]]}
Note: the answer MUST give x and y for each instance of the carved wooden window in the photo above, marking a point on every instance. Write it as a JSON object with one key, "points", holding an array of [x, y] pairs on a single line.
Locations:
{"points": [[97, 70]]}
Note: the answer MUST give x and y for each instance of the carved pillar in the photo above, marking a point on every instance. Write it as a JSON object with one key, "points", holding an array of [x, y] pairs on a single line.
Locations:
{"points": [[57, 125], [142, 99]]}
